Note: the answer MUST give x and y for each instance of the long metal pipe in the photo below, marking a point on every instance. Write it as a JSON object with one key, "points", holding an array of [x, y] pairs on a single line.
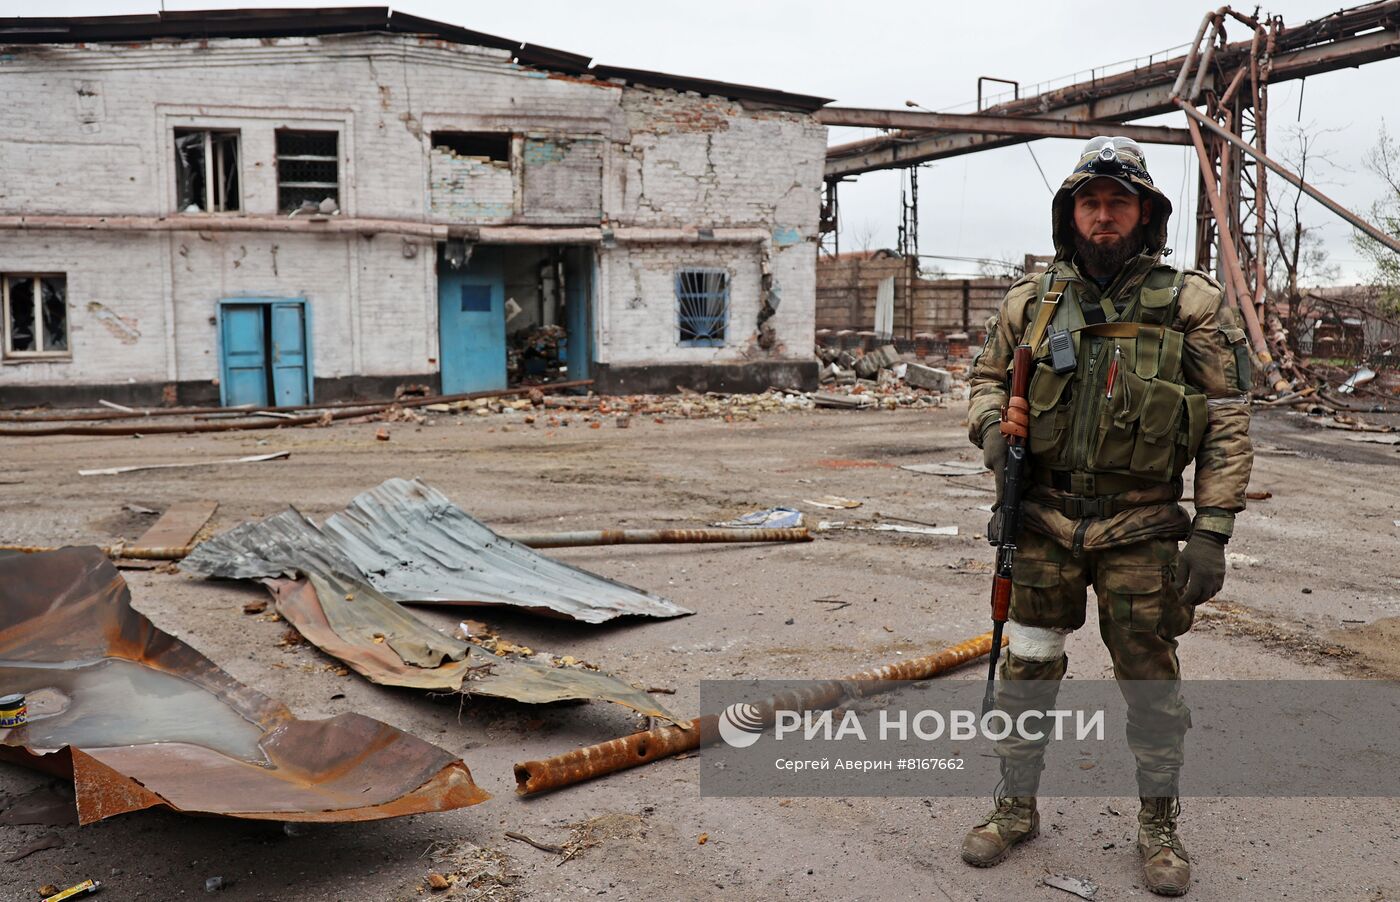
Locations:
{"points": [[1309, 190], [1204, 68], [1191, 55], [254, 411], [337, 225], [642, 748], [1037, 127], [596, 537], [1243, 299], [533, 540], [365, 409]]}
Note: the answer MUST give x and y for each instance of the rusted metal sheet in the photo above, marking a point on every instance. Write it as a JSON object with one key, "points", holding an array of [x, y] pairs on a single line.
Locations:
{"points": [[138, 719], [643, 748], [386, 644], [410, 542]]}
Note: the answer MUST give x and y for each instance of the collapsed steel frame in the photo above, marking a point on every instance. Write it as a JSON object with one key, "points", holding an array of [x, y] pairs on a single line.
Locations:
{"points": [[1229, 79]]}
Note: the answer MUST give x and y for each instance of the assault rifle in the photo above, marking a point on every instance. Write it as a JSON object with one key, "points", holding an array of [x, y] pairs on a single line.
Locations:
{"points": [[1015, 425]]}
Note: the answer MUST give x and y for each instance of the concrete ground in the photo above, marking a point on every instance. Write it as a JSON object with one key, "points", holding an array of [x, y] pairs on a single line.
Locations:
{"points": [[1321, 598]]}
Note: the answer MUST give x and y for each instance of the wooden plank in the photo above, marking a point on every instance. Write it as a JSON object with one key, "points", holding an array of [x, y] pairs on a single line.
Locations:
{"points": [[179, 525]]}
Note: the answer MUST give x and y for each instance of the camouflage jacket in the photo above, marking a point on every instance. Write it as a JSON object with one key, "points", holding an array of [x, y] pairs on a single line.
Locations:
{"points": [[1214, 361]]}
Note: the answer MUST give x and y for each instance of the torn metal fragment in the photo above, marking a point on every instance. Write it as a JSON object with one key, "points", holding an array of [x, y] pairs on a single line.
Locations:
{"points": [[137, 719], [386, 644], [414, 545]]}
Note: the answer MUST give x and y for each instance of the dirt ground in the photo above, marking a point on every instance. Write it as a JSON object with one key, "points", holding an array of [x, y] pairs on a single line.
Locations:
{"points": [[1316, 593]]}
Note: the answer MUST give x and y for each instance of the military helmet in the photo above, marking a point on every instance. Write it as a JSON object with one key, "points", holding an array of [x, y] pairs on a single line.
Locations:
{"points": [[1115, 158], [1122, 160]]}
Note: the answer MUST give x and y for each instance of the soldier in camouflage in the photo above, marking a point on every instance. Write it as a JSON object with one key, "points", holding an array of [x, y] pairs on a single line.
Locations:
{"points": [[1159, 376]]}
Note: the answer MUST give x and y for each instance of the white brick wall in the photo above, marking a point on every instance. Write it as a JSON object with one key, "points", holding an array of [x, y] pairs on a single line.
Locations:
{"points": [[87, 131]]}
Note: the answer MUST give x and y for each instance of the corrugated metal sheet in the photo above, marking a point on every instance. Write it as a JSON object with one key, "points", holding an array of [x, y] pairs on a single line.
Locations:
{"points": [[138, 719], [411, 543]]}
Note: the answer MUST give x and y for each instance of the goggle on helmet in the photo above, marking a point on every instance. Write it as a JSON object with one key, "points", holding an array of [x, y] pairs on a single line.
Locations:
{"points": [[1114, 157]]}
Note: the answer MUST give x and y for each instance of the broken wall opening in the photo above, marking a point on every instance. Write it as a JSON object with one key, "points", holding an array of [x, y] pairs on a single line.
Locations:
{"points": [[515, 314], [207, 175]]}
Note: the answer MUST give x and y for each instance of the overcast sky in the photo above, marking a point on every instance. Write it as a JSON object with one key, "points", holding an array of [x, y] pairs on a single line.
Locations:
{"points": [[881, 53]]}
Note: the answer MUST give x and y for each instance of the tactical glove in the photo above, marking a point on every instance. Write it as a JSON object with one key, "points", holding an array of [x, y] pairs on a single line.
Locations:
{"points": [[1200, 571], [994, 454]]}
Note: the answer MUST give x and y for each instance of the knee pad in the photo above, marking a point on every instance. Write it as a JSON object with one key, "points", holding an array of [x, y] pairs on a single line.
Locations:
{"points": [[1036, 643]]}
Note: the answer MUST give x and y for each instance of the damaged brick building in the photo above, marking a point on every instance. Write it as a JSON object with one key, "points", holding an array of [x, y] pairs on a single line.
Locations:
{"points": [[275, 206]]}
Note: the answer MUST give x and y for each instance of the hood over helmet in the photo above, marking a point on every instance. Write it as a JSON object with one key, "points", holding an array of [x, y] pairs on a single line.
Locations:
{"points": [[1122, 160]]}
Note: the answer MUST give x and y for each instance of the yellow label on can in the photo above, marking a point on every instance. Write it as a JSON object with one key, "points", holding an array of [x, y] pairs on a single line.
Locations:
{"points": [[14, 717]]}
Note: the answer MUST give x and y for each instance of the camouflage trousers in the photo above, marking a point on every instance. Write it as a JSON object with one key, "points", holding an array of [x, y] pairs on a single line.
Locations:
{"points": [[1140, 616]]}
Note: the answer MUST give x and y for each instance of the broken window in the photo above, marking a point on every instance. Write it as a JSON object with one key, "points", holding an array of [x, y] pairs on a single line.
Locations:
{"points": [[487, 145], [308, 171], [702, 305], [206, 170], [36, 315]]}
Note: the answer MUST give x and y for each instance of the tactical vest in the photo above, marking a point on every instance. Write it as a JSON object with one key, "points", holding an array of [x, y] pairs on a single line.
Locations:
{"points": [[1149, 425]]}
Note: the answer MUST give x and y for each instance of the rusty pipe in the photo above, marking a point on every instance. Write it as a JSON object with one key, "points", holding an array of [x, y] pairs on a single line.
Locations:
{"points": [[585, 763], [1287, 175], [253, 411], [1191, 56], [366, 409], [1243, 299], [659, 537], [537, 540], [1206, 54]]}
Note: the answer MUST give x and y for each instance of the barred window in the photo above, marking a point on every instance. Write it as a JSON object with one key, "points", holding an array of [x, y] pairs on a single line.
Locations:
{"points": [[206, 170], [36, 315], [308, 170], [702, 306]]}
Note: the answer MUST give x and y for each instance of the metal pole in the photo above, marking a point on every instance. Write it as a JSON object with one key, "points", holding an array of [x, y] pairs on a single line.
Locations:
{"points": [[659, 537], [1232, 264], [1309, 190], [643, 748]]}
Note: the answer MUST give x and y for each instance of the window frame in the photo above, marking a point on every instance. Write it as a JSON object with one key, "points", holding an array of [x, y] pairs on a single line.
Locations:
{"points": [[721, 341], [7, 352], [334, 158], [208, 131]]}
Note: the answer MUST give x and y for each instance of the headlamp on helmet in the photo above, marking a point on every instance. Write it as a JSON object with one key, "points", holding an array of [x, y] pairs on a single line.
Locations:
{"points": [[1114, 157]]}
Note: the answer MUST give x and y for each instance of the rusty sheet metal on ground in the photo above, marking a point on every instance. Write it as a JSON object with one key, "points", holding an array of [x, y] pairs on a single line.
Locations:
{"points": [[137, 719], [385, 643], [637, 749], [414, 545], [178, 525]]}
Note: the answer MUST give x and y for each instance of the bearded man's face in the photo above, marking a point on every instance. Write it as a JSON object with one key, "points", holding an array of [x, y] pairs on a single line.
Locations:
{"points": [[1109, 225]]}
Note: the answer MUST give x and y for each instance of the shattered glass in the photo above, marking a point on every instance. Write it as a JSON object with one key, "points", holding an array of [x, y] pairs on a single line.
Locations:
{"points": [[22, 326]]}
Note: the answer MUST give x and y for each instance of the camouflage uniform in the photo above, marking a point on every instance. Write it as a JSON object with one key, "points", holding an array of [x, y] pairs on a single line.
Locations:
{"points": [[1105, 474]]}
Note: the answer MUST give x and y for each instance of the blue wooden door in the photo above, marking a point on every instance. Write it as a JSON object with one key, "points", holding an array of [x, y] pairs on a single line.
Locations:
{"points": [[244, 355], [578, 302], [289, 382], [472, 324]]}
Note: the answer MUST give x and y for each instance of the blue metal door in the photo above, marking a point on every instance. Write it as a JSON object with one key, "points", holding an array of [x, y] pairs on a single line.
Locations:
{"points": [[578, 302], [244, 354], [289, 382], [472, 324]]}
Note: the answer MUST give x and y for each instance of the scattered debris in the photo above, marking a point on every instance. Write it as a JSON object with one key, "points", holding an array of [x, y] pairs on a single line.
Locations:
{"points": [[772, 518], [410, 542], [214, 884], [1376, 438], [381, 435], [825, 525], [1084, 889], [832, 502], [178, 526], [1360, 377], [67, 627], [86, 888], [138, 509], [383, 642], [948, 468], [252, 459]]}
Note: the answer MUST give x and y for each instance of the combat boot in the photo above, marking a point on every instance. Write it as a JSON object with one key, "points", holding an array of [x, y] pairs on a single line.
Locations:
{"points": [[1013, 821], [1165, 864]]}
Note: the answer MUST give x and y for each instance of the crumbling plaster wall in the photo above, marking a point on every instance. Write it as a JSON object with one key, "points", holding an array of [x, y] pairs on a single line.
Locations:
{"points": [[87, 131]]}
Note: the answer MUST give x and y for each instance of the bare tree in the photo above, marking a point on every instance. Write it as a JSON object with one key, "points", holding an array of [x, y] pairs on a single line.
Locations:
{"points": [[1384, 160], [1299, 258]]}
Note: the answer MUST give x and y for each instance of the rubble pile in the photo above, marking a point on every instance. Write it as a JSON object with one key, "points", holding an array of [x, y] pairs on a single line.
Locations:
{"points": [[878, 380]]}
